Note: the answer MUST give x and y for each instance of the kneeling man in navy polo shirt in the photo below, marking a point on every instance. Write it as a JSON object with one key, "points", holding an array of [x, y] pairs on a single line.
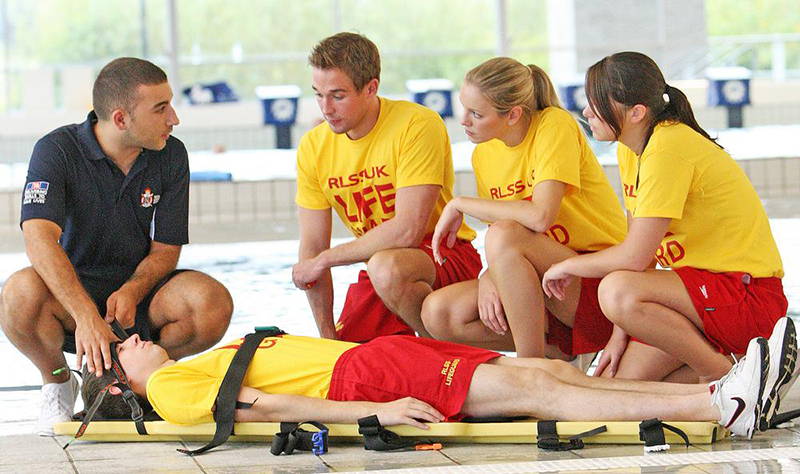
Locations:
{"points": [[104, 216]]}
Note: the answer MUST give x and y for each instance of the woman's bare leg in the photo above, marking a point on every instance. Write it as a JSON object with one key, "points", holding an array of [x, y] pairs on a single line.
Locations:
{"points": [[517, 258], [643, 362], [654, 307], [451, 314]]}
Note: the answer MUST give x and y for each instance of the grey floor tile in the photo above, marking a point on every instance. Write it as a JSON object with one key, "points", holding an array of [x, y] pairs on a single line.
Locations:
{"points": [[95, 451], [500, 453], [138, 464], [39, 468], [356, 458], [769, 439], [608, 451], [21, 449], [265, 470], [250, 457]]}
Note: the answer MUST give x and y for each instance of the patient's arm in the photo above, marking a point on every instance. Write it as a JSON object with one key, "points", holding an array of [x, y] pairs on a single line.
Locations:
{"points": [[272, 407]]}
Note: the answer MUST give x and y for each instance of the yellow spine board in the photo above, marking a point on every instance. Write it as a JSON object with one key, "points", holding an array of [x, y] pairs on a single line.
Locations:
{"points": [[618, 432]]}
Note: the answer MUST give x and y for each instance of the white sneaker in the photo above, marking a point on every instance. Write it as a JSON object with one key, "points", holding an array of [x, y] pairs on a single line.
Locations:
{"points": [[738, 394], [782, 364], [58, 404]]}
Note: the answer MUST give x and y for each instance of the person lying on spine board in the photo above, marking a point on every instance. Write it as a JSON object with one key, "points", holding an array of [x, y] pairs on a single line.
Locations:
{"points": [[414, 381]]}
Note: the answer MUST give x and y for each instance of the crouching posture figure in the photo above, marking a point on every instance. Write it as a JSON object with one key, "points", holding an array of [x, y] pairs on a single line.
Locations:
{"points": [[413, 381]]}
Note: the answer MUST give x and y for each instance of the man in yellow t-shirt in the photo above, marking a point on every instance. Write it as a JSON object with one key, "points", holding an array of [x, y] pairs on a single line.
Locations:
{"points": [[385, 166], [414, 381]]}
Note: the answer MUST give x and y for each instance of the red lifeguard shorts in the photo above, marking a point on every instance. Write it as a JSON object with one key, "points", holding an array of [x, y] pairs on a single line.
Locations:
{"points": [[365, 317], [734, 306], [590, 330], [393, 367]]}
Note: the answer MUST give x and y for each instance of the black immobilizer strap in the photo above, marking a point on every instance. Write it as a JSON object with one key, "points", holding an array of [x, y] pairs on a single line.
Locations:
{"points": [[779, 418], [547, 437], [378, 438], [116, 328], [137, 414], [229, 389], [292, 437], [652, 433]]}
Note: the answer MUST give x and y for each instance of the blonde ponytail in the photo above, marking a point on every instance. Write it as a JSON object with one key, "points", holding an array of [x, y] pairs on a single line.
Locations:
{"points": [[544, 94], [507, 83]]}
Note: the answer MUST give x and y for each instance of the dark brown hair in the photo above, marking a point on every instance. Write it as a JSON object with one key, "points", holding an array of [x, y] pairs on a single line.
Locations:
{"points": [[507, 83], [354, 54], [113, 407], [631, 78], [116, 85]]}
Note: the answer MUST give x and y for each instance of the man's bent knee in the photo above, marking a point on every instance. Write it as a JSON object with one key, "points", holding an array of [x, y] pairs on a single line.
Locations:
{"points": [[389, 269], [195, 302], [212, 312], [22, 297]]}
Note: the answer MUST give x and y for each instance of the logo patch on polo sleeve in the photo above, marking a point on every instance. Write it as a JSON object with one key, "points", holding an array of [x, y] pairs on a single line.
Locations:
{"points": [[35, 192], [148, 198]]}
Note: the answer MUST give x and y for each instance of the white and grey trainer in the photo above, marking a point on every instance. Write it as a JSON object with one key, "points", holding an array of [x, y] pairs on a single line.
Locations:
{"points": [[58, 404]]}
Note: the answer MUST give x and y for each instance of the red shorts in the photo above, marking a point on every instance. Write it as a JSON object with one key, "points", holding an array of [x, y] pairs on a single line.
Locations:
{"points": [[734, 306], [591, 329], [393, 367], [364, 316]]}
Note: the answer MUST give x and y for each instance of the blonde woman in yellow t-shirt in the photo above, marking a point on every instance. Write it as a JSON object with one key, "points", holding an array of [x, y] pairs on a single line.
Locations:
{"points": [[547, 198], [692, 210]]}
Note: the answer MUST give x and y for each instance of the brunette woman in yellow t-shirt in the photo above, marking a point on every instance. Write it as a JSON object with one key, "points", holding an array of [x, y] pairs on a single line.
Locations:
{"points": [[691, 210], [547, 198]]}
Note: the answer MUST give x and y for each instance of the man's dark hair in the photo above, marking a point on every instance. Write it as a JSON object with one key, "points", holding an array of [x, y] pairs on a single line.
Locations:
{"points": [[116, 85], [113, 407]]}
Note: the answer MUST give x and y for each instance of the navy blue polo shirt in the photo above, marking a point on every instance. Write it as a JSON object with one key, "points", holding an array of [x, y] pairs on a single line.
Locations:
{"points": [[108, 219]]}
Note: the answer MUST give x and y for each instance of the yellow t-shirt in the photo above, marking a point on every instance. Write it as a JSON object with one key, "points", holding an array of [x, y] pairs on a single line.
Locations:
{"points": [[184, 393], [590, 217], [408, 146], [718, 222]]}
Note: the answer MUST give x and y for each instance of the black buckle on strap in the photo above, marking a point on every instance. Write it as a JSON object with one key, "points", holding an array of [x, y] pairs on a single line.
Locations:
{"points": [[292, 437], [378, 438], [652, 433], [547, 437]]}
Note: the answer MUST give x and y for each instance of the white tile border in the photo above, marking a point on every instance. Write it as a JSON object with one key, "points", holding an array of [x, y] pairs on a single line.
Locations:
{"points": [[650, 460]]}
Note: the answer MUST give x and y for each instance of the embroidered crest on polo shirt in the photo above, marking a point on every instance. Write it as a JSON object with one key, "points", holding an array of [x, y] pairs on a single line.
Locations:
{"points": [[35, 192], [148, 199]]}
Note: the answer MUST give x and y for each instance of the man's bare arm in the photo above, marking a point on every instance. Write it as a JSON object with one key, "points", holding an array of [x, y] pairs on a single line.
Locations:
{"points": [[161, 260], [315, 237], [413, 208], [272, 407], [92, 334]]}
